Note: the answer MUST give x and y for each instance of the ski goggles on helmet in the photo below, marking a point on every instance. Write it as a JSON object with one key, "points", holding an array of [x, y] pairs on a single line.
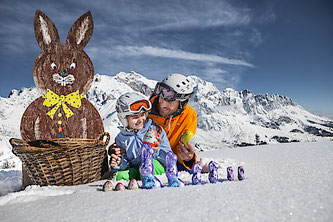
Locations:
{"points": [[135, 107], [169, 94]]}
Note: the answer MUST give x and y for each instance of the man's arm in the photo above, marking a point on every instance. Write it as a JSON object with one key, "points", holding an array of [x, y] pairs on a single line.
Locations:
{"points": [[187, 154]]}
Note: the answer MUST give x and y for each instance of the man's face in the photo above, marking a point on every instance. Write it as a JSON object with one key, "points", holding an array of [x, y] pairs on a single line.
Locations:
{"points": [[167, 108]]}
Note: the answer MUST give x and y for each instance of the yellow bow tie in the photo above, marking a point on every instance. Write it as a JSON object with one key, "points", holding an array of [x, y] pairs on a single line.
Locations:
{"points": [[51, 99]]}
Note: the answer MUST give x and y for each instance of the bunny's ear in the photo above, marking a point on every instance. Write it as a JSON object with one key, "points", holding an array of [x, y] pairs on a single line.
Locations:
{"points": [[81, 31], [45, 31]]}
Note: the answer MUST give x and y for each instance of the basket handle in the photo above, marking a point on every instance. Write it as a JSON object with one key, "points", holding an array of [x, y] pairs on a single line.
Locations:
{"points": [[101, 136], [18, 142]]}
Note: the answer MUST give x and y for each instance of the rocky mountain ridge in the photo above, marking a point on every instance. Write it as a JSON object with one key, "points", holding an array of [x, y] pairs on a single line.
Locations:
{"points": [[226, 118]]}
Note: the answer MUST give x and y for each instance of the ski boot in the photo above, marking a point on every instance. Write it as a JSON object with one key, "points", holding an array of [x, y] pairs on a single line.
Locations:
{"points": [[107, 186], [213, 177], [230, 174], [241, 173], [172, 171], [196, 177], [133, 185], [149, 181]]}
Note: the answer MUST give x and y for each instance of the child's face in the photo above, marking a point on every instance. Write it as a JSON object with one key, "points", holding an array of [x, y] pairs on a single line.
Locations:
{"points": [[136, 121]]}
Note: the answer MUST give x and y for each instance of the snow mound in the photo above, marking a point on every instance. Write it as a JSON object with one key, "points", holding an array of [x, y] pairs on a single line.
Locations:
{"points": [[35, 193], [10, 181]]}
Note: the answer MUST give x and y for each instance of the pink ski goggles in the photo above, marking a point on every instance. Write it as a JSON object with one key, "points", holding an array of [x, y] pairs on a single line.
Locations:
{"points": [[167, 93]]}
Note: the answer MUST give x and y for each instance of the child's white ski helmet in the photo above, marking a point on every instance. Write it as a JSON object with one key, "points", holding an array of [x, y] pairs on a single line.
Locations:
{"points": [[131, 103]]}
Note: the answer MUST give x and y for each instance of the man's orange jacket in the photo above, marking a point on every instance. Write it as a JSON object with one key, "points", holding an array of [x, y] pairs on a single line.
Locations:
{"points": [[175, 126]]}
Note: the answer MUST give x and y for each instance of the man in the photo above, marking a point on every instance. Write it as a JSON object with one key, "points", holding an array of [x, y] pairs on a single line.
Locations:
{"points": [[171, 111]]}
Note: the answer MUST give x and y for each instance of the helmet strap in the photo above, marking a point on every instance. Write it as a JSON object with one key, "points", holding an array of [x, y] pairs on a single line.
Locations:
{"points": [[182, 104]]}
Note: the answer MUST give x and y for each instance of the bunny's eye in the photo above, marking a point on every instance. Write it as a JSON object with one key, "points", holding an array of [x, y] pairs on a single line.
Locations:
{"points": [[53, 66], [73, 66]]}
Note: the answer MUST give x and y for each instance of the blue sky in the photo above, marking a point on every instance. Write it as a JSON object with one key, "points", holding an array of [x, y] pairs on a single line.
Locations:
{"points": [[276, 47]]}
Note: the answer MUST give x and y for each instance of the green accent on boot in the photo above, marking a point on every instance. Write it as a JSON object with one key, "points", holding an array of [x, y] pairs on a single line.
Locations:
{"points": [[122, 175], [159, 169], [133, 173], [130, 173]]}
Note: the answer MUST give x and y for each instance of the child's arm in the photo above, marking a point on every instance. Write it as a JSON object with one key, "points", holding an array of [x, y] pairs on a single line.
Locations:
{"points": [[118, 156], [124, 164]]}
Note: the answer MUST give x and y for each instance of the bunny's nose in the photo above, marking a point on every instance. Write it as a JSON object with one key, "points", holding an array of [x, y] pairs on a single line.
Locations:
{"points": [[63, 73]]}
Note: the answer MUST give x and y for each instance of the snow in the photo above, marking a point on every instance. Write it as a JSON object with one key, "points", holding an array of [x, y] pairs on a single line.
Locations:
{"points": [[284, 182], [10, 180]]}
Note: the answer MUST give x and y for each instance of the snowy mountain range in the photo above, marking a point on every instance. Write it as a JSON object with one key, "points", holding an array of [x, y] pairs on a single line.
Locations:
{"points": [[225, 118]]}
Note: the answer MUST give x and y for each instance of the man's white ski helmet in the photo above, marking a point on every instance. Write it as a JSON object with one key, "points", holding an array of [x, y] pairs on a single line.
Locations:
{"points": [[131, 103], [179, 83]]}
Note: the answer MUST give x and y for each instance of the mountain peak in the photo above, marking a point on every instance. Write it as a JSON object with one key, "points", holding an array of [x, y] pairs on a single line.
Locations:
{"points": [[225, 118]]}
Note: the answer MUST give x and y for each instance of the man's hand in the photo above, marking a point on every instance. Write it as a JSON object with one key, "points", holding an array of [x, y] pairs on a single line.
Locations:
{"points": [[186, 153]]}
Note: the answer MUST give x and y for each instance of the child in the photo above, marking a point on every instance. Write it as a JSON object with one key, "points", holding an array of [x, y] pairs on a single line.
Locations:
{"points": [[132, 110]]}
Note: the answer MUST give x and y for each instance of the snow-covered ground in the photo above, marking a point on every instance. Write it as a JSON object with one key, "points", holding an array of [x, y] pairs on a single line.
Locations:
{"points": [[284, 182]]}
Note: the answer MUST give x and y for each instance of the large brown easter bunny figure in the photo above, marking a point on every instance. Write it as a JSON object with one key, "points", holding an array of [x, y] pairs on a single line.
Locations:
{"points": [[63, 73]]}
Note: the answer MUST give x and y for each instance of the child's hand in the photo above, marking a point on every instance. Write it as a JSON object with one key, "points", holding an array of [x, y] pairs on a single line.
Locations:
{"points": [[113, 149], [115, 160], [157, 143]]}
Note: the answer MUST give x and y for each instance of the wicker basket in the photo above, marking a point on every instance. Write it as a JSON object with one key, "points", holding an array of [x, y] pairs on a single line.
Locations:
{"points": [[62, 161]]}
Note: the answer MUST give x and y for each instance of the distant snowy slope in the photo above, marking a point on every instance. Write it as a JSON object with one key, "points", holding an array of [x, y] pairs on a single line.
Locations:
{"points": [[11, 110], [233, 117], [225, 118]]}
